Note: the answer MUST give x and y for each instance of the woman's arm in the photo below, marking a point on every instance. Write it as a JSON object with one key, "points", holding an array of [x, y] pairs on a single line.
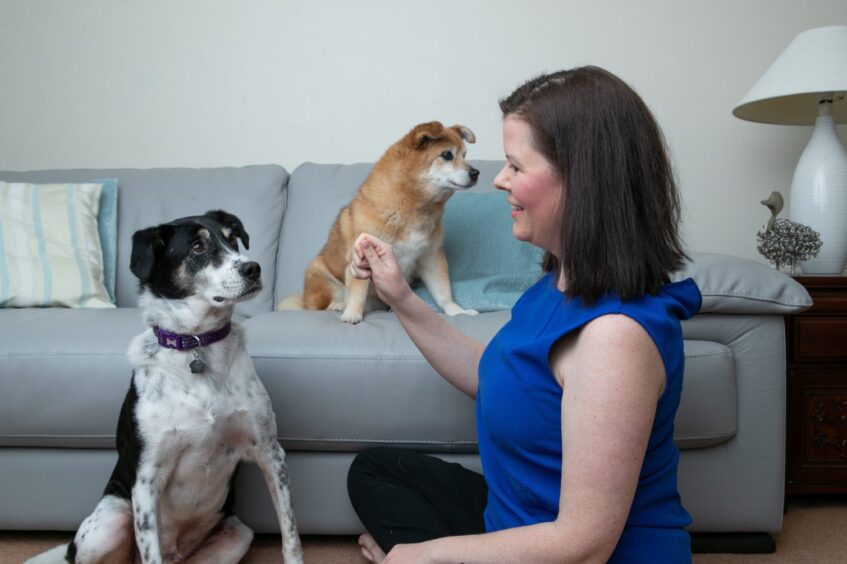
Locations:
{"points": [[453, 354], [612, 377]]}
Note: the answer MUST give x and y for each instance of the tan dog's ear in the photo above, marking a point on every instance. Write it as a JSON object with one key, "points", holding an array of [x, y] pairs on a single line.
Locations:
{"points": [[466, 133], [426, 132]]}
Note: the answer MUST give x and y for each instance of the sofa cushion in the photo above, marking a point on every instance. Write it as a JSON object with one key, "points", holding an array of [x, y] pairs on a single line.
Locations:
{"points": [[69, 393], [63, 375], [321, 393], [256, 194], [316, 193], [736, 285]]}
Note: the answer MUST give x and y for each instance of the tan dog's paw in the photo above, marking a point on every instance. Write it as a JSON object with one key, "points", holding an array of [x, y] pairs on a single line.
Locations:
{"points": [[335, 306], [456, 309], [351, 317]]}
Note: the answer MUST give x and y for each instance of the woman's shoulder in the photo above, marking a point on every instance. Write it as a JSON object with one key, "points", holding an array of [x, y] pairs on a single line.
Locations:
{"points": [[635, 352], [671, 303], [614, 331], [651, 321]]}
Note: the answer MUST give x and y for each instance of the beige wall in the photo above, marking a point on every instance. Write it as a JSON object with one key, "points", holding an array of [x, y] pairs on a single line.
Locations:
{"points": [[109, 83]]}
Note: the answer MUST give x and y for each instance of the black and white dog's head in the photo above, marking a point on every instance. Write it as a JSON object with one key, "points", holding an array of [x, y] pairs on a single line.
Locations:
{"points": [[196, 257]]}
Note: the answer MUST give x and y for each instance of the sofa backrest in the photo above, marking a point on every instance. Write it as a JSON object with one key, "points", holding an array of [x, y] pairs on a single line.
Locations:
{"points": [[316, 193], [146, 197]]}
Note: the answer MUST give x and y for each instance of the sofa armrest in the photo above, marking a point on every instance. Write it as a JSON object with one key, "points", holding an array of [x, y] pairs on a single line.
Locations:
{"points": [[740, 286]]}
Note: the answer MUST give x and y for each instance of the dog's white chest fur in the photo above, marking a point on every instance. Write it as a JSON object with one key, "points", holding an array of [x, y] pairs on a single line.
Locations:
{"points": [[201, 424], [410, 249]]}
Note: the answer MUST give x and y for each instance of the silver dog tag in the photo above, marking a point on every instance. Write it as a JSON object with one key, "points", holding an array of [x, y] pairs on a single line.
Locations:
{"points": [[197, 365]]}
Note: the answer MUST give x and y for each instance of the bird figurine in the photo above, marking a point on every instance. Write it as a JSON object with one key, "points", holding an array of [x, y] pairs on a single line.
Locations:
{"points": [[784, 242], [773, 203]]}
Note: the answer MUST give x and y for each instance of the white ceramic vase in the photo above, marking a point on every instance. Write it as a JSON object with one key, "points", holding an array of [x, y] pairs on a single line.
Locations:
{"points": [[819, 195]]}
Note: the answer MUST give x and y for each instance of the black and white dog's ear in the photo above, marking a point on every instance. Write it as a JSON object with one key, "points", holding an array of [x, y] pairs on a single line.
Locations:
{"points": [[147, 248], [233, 223]]}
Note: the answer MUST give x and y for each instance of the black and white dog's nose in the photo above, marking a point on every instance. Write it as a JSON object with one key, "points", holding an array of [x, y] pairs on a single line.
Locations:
{"points": [[474, 173], [250, 270]]}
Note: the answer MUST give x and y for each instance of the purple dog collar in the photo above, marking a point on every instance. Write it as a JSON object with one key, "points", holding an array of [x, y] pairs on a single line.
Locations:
{"points": [[179, 342]]}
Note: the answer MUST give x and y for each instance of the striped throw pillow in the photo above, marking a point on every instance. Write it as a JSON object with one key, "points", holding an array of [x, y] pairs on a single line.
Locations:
{"points": [[50, 254]]}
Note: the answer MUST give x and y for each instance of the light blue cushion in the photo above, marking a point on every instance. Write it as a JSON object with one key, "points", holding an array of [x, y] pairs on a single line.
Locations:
{"points": [[489, 268], [107, 228]]}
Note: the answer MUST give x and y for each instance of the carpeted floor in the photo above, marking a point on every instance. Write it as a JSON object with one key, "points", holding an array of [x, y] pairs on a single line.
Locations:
{"points": [[814, 531]]}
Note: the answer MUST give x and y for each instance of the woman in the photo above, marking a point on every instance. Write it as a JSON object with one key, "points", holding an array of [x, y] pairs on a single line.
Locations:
{"points": [[577, 393]]}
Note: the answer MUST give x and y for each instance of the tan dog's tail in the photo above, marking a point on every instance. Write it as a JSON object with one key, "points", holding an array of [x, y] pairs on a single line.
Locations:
{"points": [[293, 301]]}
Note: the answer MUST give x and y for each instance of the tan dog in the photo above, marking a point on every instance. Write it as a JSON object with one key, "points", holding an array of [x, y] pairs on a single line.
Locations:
{"points": [[401, 202]]}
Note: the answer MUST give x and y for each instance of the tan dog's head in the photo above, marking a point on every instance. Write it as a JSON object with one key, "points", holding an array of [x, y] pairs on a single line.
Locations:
{"points": [[439, 156]]}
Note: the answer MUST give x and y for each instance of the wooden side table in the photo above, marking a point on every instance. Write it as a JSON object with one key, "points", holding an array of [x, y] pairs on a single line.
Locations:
{"points": [[816, 456]]}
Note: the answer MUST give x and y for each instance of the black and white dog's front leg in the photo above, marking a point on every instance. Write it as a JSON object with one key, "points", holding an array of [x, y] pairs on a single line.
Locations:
{"points": [[150, 479], [270, 457]]}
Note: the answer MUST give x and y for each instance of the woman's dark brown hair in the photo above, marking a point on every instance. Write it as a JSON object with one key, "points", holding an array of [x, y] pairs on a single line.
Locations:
{"points": [[620, 207]]}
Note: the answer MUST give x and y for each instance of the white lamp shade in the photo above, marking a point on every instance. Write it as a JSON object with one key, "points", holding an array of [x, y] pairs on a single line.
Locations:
{"points": [[814, 63]]}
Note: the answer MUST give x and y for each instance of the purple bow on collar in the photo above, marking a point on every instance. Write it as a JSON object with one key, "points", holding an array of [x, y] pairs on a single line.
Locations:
{"points": [[187, 342]]}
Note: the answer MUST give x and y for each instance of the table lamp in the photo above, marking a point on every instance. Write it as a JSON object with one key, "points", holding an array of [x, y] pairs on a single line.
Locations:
{"points": [[807, 85]]}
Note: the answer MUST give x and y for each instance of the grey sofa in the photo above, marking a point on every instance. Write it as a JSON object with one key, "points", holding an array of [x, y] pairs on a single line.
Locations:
{"points": [[339, 388]]}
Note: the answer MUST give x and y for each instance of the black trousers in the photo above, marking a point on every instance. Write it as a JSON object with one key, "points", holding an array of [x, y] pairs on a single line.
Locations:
{"points": [[403, 496]]}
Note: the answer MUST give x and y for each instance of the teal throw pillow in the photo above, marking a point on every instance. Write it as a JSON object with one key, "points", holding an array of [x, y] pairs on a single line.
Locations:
{"points": [[107, 228], [489, 268]]}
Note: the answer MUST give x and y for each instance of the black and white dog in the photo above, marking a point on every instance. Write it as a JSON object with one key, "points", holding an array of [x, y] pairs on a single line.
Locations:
{"points": [[194, 409]]}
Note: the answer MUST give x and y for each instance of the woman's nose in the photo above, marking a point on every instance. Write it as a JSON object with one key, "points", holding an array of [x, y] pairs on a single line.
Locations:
{"points": [[500, 181]]}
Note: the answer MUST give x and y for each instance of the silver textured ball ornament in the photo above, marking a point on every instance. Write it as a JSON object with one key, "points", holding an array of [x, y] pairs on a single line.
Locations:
{"points": [[785, 242]]}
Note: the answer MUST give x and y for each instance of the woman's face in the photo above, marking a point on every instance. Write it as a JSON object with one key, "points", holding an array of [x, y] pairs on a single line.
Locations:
{"points": [[534, 189]]}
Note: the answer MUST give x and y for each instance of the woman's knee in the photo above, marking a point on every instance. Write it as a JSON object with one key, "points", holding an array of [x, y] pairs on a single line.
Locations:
{"points": [[373, 463]]}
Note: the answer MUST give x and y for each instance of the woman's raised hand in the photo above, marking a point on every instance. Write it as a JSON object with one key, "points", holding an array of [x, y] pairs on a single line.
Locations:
{"points": [[374, 259]]}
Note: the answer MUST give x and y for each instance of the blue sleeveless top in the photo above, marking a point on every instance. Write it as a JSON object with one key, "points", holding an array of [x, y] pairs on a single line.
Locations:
{"points": [[519, 417]]}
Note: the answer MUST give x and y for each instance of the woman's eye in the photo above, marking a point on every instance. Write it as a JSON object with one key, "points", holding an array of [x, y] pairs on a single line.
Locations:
{"points": [[198, 247], [447, 155]]}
